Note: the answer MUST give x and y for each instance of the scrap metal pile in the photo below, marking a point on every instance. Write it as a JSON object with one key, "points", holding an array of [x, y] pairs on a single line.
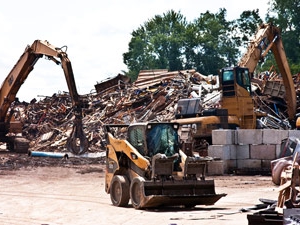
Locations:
{"points": [[152, 97]]}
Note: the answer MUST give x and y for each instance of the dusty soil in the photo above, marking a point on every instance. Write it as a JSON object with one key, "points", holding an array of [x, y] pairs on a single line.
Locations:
{"points": [[40, 191]]}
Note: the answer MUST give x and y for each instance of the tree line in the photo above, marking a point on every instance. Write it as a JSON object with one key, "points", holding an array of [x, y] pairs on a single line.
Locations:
{"points": [[210, 42]]}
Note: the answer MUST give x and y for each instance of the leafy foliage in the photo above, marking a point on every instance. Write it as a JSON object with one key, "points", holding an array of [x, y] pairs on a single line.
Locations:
{"points": [[208, 43], [157, 45], [212, 49], [286, 15]]}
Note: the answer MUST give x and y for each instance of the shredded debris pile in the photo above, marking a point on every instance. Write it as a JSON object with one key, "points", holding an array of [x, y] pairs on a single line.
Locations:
{"points": [[152, 97]]}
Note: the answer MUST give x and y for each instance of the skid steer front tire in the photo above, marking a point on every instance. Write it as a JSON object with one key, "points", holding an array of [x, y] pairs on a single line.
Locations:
{"points": [[136, 192], [119, 191]]}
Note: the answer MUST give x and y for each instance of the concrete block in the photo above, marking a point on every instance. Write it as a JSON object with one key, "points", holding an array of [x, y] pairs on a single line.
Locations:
{"points": [[223, 137], [278, 151], [232, 151], [272, 136], [263, 152], [219, 151], [215, 167], [266, 164], [248, 136], [294, 133], [248, 163], [242, 151], [221, 167], [231, 163]]}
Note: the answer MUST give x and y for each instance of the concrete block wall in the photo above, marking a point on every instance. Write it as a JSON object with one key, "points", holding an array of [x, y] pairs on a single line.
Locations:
{"points": [[245, 149]]}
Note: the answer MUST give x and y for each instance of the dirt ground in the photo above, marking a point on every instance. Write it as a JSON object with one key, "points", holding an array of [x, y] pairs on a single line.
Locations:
{"points": [[50, 191]]}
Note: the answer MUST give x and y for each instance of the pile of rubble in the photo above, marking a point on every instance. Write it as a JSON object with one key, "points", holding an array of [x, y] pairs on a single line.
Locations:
{"points": [[152, 97]]}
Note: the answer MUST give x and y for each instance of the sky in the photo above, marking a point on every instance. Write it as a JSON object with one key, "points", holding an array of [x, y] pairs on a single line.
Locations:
{"points": [[97, 33]]}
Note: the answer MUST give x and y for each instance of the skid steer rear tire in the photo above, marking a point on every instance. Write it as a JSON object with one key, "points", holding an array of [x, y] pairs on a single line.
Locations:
{"points": [[137, 192], [119, 191]]}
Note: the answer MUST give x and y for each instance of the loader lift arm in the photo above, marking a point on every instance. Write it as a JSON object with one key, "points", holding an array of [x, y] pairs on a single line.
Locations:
{"points": [[77, 142]]}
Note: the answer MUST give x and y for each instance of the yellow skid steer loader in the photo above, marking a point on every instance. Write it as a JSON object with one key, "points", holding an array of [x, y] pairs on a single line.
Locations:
{"points": [[144, 164]]}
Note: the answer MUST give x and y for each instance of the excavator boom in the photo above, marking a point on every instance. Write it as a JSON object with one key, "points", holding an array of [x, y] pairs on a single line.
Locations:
{"points": [[17, 77], [268, 38]]}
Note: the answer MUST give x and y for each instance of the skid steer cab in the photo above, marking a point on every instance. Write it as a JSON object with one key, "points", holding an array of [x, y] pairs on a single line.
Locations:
{"points": [[144, 164]]}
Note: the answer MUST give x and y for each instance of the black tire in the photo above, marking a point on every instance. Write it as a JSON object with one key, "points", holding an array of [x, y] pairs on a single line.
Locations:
{"points": [[137, 192], [119, 191]]}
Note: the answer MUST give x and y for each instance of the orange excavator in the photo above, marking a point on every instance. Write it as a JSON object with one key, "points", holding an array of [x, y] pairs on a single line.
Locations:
{"points": [[9, 128]]}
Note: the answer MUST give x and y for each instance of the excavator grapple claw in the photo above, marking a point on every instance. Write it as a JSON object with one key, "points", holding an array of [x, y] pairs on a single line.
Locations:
{"points": [[77, 142]]}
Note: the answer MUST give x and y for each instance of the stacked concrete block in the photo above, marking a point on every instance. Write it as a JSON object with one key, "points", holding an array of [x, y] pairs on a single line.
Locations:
{"points": [[244, 159], [294, 133], [263, 151], [223, 151], [223, 137], [220, 152], [242, 152], [264, 154], [252, 149], [271, 136], [266, 165], [216, 167], [247, 164], [278, 151], [248, 136]]}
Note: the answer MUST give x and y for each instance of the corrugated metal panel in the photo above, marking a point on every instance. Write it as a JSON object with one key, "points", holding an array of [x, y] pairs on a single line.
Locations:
{"points": [[148, 78], [110, 82], [275, 89]]}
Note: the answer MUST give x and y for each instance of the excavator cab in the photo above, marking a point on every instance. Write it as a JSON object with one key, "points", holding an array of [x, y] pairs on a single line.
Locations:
{"points": [[237, 96], [235, 81]]}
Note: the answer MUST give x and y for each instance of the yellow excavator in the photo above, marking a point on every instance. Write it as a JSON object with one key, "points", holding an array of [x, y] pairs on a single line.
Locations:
{"points": [[266, 38], [237, 104], [77, 142], [144, 164]]}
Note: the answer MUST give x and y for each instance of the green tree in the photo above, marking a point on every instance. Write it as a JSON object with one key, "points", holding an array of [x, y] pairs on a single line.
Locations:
{"points": [[245, 27], [286, 15], [212, 46], [207, 44], [158, 44]]}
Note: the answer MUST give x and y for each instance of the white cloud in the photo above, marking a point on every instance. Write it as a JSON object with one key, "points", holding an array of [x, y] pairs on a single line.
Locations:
{"points": [[97, 33]]}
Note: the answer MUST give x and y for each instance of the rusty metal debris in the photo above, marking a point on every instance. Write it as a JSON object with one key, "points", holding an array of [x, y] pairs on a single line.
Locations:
{"points": [[288, 192], [152, 97]]}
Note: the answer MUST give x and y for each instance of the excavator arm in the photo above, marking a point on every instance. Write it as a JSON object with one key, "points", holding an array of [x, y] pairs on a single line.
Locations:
{"points": [[268, 38], [77, 142]]}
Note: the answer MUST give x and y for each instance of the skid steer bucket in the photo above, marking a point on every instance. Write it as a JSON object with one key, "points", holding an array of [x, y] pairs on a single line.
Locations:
{"points": [[165, 190], [188, 193]]}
